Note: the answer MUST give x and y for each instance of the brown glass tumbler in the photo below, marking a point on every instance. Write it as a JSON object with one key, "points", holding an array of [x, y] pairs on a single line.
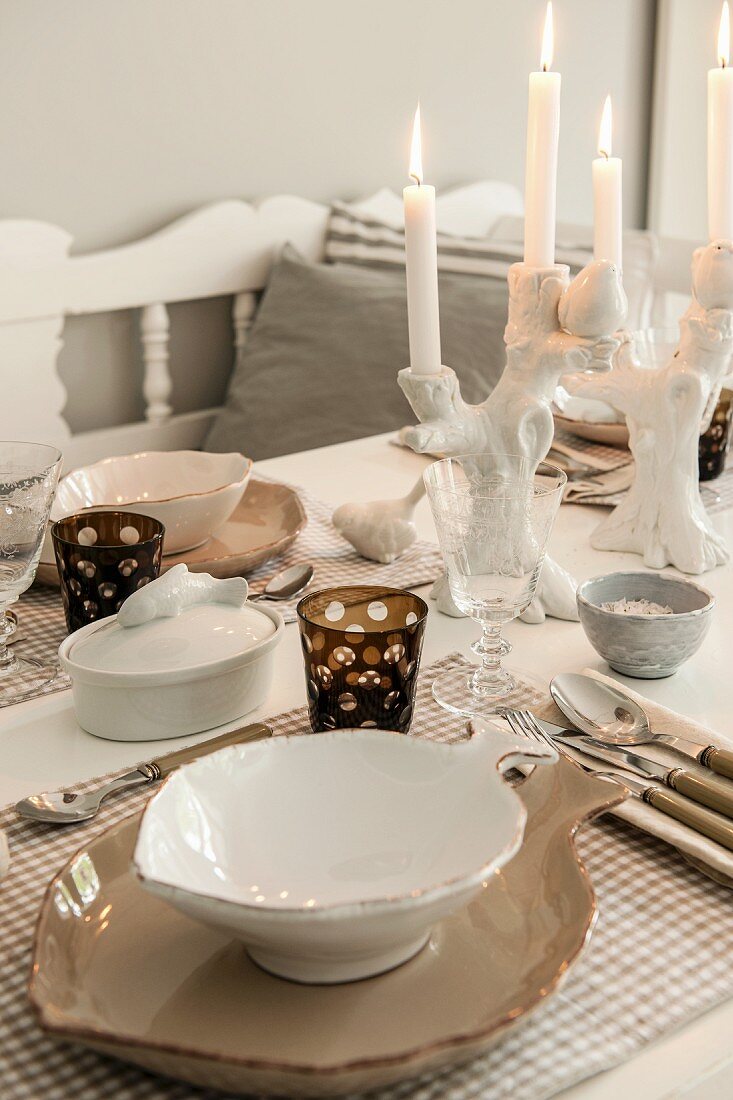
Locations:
{"points": [[102, 558], [362, 647], [714, 443]]}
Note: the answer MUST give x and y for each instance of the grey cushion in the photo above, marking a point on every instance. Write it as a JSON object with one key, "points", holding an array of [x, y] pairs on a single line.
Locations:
{"points": [[321, 361], [353, 237]]}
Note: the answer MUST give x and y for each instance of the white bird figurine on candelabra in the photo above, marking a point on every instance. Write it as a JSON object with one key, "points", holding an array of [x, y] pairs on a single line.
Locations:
{"points": [[594, 301], [712, 285]]}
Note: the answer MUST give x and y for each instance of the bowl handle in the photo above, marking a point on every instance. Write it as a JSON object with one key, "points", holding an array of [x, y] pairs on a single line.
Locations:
{"points": [[512, 751]]}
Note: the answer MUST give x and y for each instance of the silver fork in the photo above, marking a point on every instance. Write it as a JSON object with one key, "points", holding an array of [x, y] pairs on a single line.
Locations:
{"points": [[524, 724], [704, 821]]}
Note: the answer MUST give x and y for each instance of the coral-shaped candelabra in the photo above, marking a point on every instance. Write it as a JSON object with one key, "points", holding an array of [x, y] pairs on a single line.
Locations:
{"points": [[554, 326], [666, 407]]}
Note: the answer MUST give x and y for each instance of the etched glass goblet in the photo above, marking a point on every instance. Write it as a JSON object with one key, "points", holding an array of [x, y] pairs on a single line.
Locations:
{"points": [[28, 476], [493, 515]]}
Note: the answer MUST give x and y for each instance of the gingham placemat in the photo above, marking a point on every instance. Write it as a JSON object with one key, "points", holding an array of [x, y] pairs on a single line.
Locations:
{"points": [[41, 630], [659, 956], [42, 626], [613, 456]]}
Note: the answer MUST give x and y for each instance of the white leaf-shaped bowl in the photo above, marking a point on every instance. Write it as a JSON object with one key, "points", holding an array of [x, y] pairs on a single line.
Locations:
{"points": [[331, 856], [192, 493]]}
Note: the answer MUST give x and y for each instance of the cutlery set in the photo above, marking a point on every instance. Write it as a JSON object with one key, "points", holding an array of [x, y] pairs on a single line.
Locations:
{"points": [[619, 720], [605, 722], [715, 793]]}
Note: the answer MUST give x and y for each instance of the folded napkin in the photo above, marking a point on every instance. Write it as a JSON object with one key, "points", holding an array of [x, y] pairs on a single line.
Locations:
{"points": [[602, 488], [705, 854]]}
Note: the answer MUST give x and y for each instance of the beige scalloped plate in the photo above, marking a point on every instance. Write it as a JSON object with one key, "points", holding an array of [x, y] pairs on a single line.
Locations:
{"points": [[267, 520], [613, 435], [118, 970]]}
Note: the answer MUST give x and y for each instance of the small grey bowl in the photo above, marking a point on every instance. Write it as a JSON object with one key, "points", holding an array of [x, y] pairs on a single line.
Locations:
{"points": [[646, 646]]}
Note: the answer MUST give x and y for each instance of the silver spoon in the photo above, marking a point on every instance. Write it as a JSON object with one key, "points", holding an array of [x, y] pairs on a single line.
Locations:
{"points": [[70, 807], [607, 714], [285, 585]]}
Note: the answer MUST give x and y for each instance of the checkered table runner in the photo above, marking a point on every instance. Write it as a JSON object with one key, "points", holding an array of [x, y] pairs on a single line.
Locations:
{"points": [[659, 956], [42, 626]]}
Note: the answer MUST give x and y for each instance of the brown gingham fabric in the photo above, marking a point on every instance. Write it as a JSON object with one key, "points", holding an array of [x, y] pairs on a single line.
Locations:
{"points": [[42, 627], [659, 956]]}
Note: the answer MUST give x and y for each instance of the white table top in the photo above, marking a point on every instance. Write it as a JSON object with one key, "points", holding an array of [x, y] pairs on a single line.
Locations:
{"points": [[44, 748]]}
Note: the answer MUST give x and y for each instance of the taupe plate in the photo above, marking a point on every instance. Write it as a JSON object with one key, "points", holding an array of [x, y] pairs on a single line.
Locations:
{"points": [[613, 435], [269, 517], [118, 970]]}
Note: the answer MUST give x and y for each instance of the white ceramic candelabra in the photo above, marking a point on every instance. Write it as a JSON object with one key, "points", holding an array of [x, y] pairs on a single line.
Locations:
{"points": [[554, 326], [666, 407]]}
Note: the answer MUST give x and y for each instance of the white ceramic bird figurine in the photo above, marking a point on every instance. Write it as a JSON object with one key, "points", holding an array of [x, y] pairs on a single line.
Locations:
{"points": [[712, 275], [380, 530], [595, 303], [441, 593], [176, 590]]}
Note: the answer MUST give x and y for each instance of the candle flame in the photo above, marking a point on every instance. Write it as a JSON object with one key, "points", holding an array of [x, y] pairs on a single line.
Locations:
{"points": [[416, 150], [724, 36], [547, 40], [605, 129]]}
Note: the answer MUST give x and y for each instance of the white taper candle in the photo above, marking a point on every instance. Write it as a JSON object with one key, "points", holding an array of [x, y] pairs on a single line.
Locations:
{"points": [[421, 265], [543, 132], [607, 196], [720, 138]]}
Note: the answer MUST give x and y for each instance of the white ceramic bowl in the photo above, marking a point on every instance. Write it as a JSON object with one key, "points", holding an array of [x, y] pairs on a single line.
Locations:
{"points": [[647, 647], [332, 855], [208, 665], [192, 493]]}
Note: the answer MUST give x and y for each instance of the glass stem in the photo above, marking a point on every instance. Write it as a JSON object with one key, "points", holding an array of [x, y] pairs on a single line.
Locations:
{"points": [[490, 678], [7, 629]]}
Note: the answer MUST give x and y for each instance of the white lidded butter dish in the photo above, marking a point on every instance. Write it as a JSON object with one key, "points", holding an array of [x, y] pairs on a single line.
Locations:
{"points": [[192, 493], [332, 855], [184, 654]]}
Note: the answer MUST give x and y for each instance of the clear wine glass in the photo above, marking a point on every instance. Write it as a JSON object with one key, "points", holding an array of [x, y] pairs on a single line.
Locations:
{"points": [[28, 476], [493, 515]]}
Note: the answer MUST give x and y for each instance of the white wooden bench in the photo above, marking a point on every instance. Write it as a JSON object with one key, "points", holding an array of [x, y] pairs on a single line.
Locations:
{"points": [[223, 249]]}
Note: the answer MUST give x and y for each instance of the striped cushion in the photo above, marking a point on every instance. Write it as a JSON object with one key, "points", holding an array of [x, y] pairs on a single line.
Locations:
{"points": [[354, 238]]}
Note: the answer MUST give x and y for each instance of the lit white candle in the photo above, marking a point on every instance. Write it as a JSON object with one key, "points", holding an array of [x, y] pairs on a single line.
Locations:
{"points": [[720, 138], [421, 259], [607, 202], [543, 132]]}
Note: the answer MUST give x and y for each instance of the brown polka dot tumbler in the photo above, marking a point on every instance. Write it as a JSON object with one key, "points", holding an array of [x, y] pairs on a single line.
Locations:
{"points": [[102, 558], [361, 647]]}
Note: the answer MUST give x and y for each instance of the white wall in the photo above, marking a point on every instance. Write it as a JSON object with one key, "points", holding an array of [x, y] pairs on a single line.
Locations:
{"points": [[688, 35], [117, 116]]}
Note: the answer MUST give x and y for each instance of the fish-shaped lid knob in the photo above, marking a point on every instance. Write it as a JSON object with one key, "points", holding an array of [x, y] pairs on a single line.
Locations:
{"points": [[176, 590]]}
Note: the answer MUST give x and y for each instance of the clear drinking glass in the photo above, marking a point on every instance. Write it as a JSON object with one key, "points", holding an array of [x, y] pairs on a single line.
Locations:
{"points": [[28, 476], [493, 515]]}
